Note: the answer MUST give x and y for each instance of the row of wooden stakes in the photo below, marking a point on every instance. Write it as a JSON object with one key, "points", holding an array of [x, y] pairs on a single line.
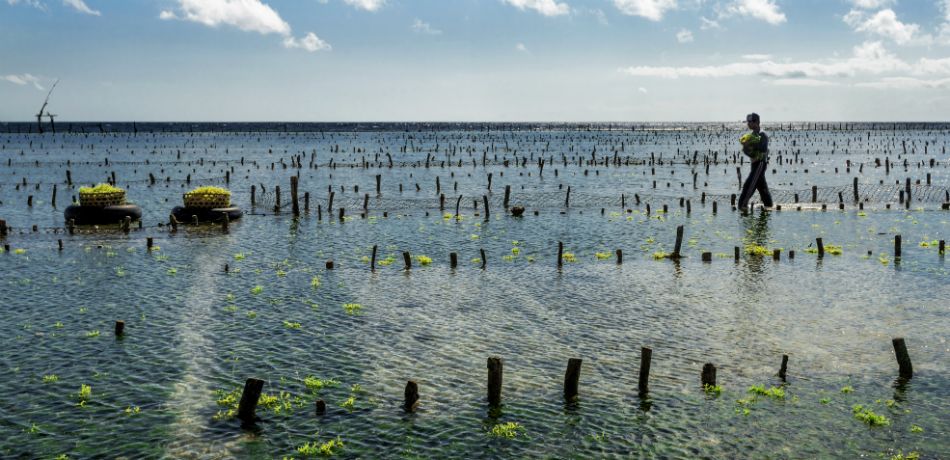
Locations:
{"points": [[253, 387]]}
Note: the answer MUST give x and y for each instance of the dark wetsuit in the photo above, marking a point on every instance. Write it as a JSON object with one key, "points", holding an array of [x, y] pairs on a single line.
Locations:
{"points": [[759, 153]]}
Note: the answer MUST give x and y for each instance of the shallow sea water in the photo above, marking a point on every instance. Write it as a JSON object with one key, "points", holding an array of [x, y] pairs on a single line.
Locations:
{"points": [[193, 329]]}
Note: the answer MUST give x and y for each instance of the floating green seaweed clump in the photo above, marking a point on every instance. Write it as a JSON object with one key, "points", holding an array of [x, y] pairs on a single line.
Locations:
{"points": [[774, 392], [84, 395], [326, 449], [757, 250], [868, 416], [712, 390], [424, 260], [315, 384], [507, 430]]}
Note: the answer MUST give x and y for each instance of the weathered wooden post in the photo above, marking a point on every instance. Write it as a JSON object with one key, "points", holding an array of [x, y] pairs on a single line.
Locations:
{"points": [[619, 257], [379, 179], [249, 398], [342, 214], [372, 260], [453, 260], [495, 369], [225, 223], [407, 259], [329, 265], [253, 195], [821, 247], [679, 243], [856, 198], [295, 206], [707, 257], [320, 407], [277, 198], [942, 247], [119, 328], [411, 401], [737, 252], [903, 359], [646, 356], [567, 197], [484, 258], [709, 375], [485, 200], [571, 379], [560, 253], [148, 243], [814, 193], [782, 371], [897, 246], [54, 196], [507, 195]]}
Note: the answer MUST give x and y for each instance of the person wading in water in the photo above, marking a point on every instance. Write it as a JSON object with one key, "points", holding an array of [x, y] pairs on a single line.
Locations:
{"points": [[755, 145]]}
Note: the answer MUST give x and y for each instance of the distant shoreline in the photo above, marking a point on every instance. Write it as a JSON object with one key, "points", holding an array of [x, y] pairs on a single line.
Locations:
{"points": [[88, 127]]}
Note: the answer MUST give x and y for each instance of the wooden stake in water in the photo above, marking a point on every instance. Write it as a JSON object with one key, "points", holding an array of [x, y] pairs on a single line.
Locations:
{"points": [[372, 260], [119, 328], [407, 259], [897, 246], [903, 359], [248, 406], [646, 356], [453, 260], [411, 401], [572, 379], [293, 195], [495, 369], [821, 247], [619, 257], [560, 254], [709, 375], [782, 371], [679, 243]]}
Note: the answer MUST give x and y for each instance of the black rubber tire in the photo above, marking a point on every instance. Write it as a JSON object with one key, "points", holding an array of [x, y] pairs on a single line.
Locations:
{"points": [[183, 214], [94, 215]]}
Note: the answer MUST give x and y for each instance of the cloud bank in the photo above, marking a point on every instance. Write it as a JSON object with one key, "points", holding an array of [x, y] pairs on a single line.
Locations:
{"points": [[245, 15]]}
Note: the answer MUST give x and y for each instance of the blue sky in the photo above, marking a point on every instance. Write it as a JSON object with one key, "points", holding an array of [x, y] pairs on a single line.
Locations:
{"points": [[474, 60]]}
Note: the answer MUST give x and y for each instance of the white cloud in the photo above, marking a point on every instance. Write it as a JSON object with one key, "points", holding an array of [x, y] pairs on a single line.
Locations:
{"points": [[521, 47], [23, 79], [708, 24], [650, 9], [906, 83], [885, 24], [34, 3], [368, 5], [684, 36], [765, 10], [871, 4], [868, 59], [545, 7], [757, 57], [246, 15], [809, 82], [422, 27], [642, 90], [310, 42], [80, 6]]}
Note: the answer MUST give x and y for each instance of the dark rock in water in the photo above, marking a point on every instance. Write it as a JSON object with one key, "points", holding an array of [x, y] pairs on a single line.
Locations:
{"points": [[517, 211]]}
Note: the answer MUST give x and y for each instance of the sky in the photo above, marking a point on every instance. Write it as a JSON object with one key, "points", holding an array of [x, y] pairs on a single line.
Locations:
{"points": [[475, 60]]}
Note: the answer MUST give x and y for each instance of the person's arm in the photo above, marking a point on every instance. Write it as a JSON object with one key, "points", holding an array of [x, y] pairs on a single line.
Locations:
{"points": [[764, 143]]}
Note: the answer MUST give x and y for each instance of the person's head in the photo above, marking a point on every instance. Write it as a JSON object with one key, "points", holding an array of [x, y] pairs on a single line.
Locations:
{"points": [[752, 120]]}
